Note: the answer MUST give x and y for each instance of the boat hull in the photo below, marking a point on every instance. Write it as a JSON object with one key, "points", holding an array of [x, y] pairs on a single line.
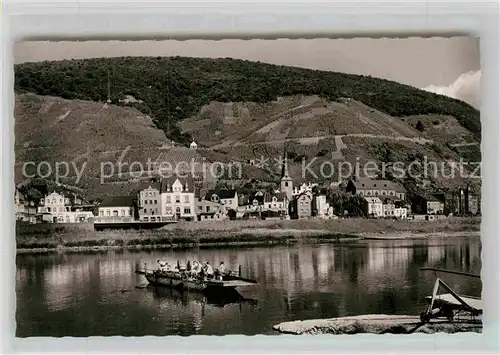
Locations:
{"points": [[187, 284]]}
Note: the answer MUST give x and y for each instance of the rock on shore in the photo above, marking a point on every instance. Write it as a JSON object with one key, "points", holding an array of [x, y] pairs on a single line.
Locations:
{"points": [[377, 324]]}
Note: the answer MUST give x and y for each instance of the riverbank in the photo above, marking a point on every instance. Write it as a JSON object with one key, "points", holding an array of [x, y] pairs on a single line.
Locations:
{"points": [[245, 233], [377, 324]]}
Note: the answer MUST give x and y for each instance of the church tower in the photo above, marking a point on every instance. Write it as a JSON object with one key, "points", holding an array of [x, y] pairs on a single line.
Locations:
{"points": [[286, 180]]}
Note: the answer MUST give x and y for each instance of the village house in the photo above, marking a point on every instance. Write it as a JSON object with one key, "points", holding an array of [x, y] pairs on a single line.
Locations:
{"points": [[25, 209], [372, 207], [227, 197], [372, 187], [301, 206], [149, 203], [322, 207], [117, 209], [427, 204], [209, 210], [275, 201], [193, 145], [178, 198], [56, 207]]}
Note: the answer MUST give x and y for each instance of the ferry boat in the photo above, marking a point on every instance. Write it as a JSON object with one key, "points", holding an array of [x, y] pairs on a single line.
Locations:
{"points": [[182, 281]]}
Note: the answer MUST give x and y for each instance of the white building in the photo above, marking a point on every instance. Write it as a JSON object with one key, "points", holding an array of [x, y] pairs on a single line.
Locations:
{"points": [[275, 202], [57, 208], [210, 211], [401, 212], [117, 209], [228, 197], [323, 207], [193, 145], [373, 207], [178, 197]]}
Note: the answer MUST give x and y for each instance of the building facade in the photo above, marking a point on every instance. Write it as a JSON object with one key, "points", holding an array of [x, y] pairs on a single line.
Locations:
{"points": [[178, 198], [149, 203], [225, 196], [301, 206], [375, 188], [117, 208], [59, 208], [373, 207], [210, 211]]}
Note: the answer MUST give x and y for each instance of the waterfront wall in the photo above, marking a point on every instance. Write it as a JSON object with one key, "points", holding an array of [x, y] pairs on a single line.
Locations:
{"points": [[48, 228]]}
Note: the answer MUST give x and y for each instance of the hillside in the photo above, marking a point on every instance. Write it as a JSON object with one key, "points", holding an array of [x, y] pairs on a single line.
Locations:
{"points": [[237, 111], [344, 130], [90, 136], [175, 88]]}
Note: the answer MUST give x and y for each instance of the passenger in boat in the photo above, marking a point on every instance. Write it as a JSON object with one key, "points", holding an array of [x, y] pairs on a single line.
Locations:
{"points": [[221, 271], [208, 270], [162, 266], [188, 267]]}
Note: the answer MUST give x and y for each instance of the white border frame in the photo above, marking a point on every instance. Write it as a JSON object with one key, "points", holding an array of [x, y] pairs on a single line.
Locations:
{"points": [[112, 20]]}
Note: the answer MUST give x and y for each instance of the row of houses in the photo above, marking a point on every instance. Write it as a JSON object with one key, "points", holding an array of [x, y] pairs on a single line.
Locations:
{"points": [[180, 198]]}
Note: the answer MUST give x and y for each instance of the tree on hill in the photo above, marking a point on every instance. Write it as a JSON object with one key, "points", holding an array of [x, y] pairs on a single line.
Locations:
{"points": [[419, 126]]}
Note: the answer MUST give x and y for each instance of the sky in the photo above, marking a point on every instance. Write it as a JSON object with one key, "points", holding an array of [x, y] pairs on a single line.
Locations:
{"points": [[447, 66]]}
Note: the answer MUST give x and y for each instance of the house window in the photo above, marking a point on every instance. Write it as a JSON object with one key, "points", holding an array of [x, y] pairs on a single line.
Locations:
{"points": [[169, 210], [115, 213], [187, 210], [177, 199], [146, 219], [186, 199], [178, 210], [123, 212], [156, 201], [286, 183], [151, 202], [208, 208], [168, 199], [101, 213], [145, 202], [145, 210], [383, 193], [108, 213], [392, 193], [153, 219], [363, 185]]}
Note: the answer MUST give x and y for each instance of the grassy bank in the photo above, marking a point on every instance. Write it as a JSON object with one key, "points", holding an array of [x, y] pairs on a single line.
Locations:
{"points": [[239, 233]]}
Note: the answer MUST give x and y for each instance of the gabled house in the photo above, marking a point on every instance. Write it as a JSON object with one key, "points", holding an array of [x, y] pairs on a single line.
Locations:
{"points": [[209, 210], [301, 206], [149, 202], [178, 198], [63, 207], [372, 207], [227, 197], [275, 201]]}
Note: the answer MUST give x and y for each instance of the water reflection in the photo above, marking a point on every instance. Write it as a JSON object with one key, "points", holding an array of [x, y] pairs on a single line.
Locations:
{"points": [[295, 282]]}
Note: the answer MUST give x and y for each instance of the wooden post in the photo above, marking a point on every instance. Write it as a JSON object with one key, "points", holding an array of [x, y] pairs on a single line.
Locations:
{"points": [[145, 267], [239, 270], [178, 265]]}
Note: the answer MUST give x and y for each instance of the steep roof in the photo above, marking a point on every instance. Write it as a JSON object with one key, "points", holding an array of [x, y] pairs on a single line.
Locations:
{"points": [[117, 201], [167, 182], [222, 193], [371, 184]]}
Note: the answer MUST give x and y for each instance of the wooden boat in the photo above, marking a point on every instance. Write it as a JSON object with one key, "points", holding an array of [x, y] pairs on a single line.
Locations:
{"points": [[181, 280]]}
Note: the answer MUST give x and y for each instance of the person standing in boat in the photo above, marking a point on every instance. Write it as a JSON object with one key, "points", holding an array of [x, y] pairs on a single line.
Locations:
{"points": [[208, 270]]}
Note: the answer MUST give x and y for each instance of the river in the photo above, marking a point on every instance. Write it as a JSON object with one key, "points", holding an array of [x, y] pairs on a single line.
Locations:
{"points": [[80, 294]]}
